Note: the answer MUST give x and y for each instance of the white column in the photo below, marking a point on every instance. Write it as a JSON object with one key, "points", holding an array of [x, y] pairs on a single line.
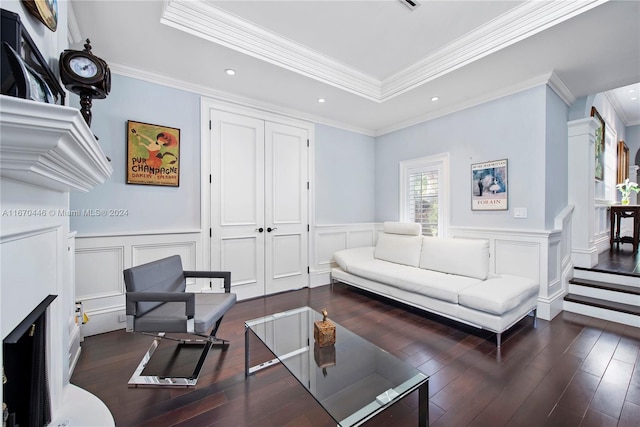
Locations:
{"points": [[633, 176], [584, 252]]}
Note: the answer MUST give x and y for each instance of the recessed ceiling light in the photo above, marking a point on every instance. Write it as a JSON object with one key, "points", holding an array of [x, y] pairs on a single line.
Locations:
{"points": [[230, 72], [321, 100], [435, 98]]}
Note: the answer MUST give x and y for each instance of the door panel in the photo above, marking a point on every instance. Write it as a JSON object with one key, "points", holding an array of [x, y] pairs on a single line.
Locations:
{"points": [[237, 201], [259, 203], [239, 175], [286, 199], [287, 255], [239, 255]]}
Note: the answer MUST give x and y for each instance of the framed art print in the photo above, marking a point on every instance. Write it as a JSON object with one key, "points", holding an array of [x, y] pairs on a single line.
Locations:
{"points": [[599, 173], [489, 187], [153, 154]]}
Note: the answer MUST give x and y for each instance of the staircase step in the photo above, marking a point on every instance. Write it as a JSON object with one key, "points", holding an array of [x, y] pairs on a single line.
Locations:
{"points": [[608, 277], [604, 304], [617, 273], [633, 290]]}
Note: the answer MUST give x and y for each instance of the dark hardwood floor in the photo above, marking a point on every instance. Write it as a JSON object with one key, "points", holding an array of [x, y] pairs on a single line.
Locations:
{"points": [[621, 261], [572, 371]]}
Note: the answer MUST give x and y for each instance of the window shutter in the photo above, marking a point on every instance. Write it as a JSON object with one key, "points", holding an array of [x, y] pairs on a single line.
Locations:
{"points": [[423, 200]]}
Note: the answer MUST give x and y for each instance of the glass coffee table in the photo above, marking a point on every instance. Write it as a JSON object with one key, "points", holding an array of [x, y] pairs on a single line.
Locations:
{"points": [[352, 380]]}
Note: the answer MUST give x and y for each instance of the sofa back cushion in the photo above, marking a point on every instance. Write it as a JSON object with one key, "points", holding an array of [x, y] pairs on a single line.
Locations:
{"points": [[464, 257], [403, 228], [400, 243]]}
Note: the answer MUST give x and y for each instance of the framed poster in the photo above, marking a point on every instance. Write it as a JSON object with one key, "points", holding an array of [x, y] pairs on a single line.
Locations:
{"points": [[489, 187], [599, 173], [153, 154], [623, 162]]}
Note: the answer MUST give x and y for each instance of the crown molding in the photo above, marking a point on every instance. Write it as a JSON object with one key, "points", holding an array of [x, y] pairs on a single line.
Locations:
{"points": [[519, 23], [550, 79], [209, 22], [613, 100], [205, 91], [558, 86], [50, 146], [206, 21]]}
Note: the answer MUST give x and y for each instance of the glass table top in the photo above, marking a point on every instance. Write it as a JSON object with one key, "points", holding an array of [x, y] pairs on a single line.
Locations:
{"points": [[353, 379]]}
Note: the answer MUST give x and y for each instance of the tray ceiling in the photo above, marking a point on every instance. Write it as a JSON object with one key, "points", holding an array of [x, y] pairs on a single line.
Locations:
{"points": [[376, 63]]}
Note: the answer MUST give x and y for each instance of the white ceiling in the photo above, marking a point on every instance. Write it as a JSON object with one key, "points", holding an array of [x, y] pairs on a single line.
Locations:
{"points": [[376, 63]]}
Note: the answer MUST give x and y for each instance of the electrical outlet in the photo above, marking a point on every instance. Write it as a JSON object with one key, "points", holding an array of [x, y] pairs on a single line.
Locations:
{"points": [[122, 318]]}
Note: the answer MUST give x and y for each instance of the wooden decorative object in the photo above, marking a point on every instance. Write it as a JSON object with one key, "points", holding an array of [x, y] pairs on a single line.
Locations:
{"points": [[324, 331]]}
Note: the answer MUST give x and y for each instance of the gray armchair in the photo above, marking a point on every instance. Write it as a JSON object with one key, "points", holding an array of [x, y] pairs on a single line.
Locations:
{"points": [[156, 303]]}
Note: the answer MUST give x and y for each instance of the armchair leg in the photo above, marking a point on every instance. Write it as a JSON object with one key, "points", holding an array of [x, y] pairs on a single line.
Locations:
{"points": [[212, 336]]}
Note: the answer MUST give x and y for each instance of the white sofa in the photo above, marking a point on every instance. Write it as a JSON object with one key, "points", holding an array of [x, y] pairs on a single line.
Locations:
{"points": [[449, 277]]}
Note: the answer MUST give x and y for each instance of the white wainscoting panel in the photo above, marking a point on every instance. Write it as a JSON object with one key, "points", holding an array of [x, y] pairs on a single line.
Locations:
{"points": [[332, 238], [544, 256], [100, 261], [99, 272], [517, 258]]}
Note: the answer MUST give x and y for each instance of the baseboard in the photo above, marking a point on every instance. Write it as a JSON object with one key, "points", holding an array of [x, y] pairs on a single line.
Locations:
{"points": [[548, 308], [104, 320]]}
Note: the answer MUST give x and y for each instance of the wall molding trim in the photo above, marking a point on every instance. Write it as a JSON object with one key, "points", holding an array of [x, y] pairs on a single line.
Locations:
{"points": [[216, 25], [100, 261]]}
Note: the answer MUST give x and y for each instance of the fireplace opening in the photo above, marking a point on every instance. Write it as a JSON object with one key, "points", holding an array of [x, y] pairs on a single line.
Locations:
{"points": [[26, 399]]}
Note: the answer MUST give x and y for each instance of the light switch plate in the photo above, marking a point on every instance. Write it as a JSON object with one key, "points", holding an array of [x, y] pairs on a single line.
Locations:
{"points": [[519, 212]]}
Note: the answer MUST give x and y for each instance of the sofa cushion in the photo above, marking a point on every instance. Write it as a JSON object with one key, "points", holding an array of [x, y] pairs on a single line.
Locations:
{"points": [[463, 257], [498, 295], [348, 257], [377, 270], [398, 248], [434, 284]]}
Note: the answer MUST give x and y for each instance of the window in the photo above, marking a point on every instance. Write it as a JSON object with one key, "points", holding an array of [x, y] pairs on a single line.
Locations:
{"points": [[424, 187]]}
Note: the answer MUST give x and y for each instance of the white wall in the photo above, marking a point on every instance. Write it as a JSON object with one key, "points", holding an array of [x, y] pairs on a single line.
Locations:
{"points": [[147, 207], [344, 176], [511, 128], [556, 158]]}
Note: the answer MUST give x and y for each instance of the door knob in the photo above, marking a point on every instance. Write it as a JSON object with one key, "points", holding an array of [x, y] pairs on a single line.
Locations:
{"points": [[260, 230], [269, 229]]}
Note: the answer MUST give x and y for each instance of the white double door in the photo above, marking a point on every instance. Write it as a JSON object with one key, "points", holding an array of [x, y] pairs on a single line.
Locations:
{"points": [[259, 203]]}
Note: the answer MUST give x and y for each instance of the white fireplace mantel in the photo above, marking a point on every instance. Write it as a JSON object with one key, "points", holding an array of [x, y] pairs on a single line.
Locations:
{"points": [[46, 152], [49, 146]]}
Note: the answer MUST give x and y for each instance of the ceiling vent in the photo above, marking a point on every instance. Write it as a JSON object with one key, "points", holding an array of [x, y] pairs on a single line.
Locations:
{"points": [[411, 4]]}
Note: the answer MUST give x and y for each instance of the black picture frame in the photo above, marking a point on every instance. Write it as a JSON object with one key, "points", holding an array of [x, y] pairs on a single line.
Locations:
{"points": [[17, 37], [28, 83]]}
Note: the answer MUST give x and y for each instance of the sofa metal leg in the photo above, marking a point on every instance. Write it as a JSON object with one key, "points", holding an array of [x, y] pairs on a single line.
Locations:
{"points": [[535, 317], [499, 339]]}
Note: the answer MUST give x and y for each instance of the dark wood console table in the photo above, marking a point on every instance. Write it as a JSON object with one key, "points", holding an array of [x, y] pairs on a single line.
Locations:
{"points": [[616, 213]]}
